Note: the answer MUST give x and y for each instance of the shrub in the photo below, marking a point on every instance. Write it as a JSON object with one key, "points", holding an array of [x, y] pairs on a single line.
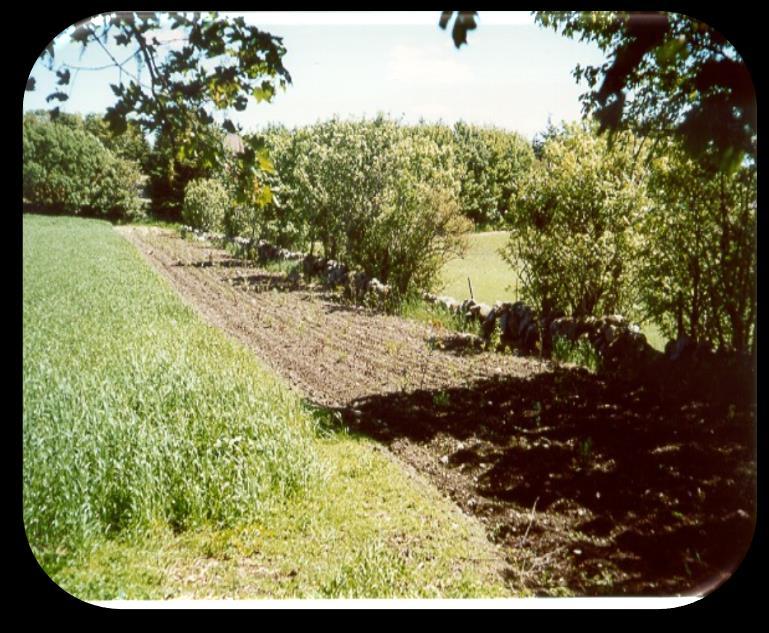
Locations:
{"points": [[698, 273], [68, 170], [493, 163], [574, 227], [379, 197], [205, 204]]}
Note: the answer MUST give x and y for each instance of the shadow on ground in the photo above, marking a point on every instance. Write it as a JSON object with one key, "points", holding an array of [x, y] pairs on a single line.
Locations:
{"points": [[593, 486]]}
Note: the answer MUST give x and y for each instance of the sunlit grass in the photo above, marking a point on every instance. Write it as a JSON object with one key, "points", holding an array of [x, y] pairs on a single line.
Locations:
{"points": [[491, 276], [163, 460]]}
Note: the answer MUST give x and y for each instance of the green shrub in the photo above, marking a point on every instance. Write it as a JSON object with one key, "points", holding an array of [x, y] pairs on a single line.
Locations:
{"points": [[574, 239], [493, 163], [698, 270], [68, 170], [205, 204], [380, 197]]}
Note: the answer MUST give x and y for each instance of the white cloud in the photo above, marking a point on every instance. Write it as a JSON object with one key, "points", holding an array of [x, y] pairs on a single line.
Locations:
{"points": [[425, 64]]}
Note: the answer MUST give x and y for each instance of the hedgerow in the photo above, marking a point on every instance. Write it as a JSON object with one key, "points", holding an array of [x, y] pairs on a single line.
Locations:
{"points": [[68, 170]]}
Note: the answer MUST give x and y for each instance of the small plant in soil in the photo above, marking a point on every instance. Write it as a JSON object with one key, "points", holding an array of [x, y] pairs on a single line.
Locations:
{"points": [[579, 352], [441, 399]]}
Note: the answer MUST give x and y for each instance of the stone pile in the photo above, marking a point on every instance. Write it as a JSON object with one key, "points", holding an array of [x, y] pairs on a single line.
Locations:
{"points": [[357, 285]]}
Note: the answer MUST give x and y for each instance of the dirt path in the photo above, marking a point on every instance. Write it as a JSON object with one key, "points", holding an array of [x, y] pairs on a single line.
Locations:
{"points": [[589, 488]]}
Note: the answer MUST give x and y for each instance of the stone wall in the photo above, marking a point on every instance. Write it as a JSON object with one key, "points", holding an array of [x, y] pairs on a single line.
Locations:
{"points": [[356, 284], [622, 350]]}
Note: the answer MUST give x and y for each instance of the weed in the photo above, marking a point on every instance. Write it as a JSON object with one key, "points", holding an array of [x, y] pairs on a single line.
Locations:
{"points": [[580, 352], [441, 399]]}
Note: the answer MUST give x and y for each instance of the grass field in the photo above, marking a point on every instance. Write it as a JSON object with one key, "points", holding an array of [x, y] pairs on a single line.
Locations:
{"points": [[160, 459], [493, 279], [491, 276]]}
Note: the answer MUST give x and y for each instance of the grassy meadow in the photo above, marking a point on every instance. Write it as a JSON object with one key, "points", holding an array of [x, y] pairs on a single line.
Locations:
{"points": [[491, 276], [163, 460]]}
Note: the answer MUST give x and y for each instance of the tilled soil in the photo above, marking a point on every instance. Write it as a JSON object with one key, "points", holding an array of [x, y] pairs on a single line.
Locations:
{"points": [[589, 487]]}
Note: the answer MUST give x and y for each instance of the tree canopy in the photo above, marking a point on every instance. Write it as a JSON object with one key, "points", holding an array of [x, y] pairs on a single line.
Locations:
{"points": [[216, 65], [666, 74]]}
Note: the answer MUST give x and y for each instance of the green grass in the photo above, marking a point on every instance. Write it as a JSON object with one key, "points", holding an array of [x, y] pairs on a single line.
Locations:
{"points": [[419, 310], [163, 460], [491, 276], [579, 352]]}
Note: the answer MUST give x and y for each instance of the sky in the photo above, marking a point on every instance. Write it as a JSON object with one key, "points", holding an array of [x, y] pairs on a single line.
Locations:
{"points": [[512, 74]]}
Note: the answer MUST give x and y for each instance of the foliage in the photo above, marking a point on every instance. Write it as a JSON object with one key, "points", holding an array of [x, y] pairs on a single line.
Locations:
{"points": [[170, 170], [698, 274], [271, 215], [666, 73], [130, 144], [205, 204], [493, 163], [579, 352], [463, 22], [377, 196], [136, 414], [68, 170], [574, 238], [219, 64]]}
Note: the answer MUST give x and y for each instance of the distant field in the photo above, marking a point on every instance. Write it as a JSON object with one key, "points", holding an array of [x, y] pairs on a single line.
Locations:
{"points": [[161, 459], [494, 280]]}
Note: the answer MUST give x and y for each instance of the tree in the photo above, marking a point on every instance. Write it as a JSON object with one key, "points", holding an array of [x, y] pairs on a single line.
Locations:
{"points": [[219, 66], [666, 74], [130, 144], [493, 162], [376, 195]]}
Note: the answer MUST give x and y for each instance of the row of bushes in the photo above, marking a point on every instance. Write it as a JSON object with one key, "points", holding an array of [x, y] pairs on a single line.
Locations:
{"points": [[598, 226], [602, 226], [376, 195], [68, 169]]}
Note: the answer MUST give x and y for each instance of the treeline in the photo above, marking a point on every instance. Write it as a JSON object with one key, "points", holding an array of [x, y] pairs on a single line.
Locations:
{"points": [[621, 225], [598, 225]]}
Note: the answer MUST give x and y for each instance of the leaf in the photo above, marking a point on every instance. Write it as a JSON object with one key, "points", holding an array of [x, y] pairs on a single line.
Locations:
{"points": [[265, 164], [63, 76], [465, 22], [265, 93], [57, 96], [80, 34], [116, 120], [241, 103]]}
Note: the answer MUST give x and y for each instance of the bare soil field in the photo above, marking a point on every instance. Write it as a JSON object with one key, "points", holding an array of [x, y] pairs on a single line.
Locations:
{"points": [[589, 487]]}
